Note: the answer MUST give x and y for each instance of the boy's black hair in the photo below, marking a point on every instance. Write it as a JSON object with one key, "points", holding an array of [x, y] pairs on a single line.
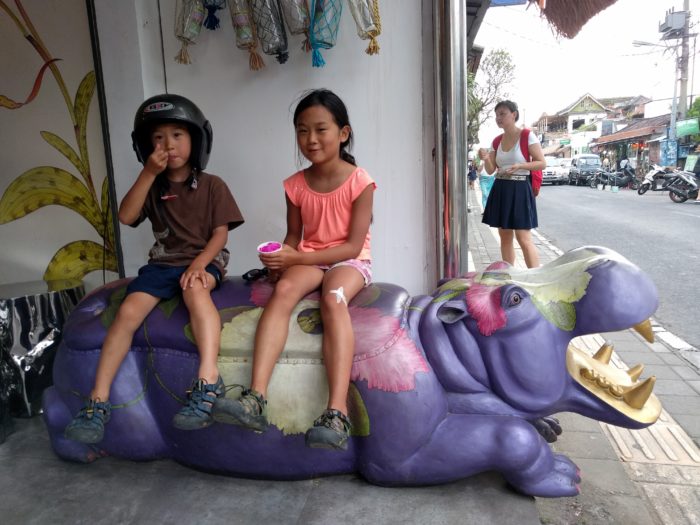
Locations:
{"points": [[176, 109], [332, 102]]}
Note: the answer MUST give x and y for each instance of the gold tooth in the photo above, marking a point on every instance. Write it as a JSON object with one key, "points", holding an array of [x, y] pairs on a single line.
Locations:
{"points": [[635, 371], [636, 396], [604, 353], [644, 329], [588, 373]]}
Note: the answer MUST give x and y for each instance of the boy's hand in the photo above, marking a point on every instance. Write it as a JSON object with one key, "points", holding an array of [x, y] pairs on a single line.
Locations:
{"points": [[280, 260], [157, 161], [192, 275]]}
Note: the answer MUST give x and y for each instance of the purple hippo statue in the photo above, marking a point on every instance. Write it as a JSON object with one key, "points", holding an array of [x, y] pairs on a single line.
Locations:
{"points": [[443, 386]]}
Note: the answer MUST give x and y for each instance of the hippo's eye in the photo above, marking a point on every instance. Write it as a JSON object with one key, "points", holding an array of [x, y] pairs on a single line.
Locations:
{"points": [[515, 298]]}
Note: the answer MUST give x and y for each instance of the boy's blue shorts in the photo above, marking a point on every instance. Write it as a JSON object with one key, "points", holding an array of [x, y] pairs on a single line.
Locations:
{"points": [[163, 281]]}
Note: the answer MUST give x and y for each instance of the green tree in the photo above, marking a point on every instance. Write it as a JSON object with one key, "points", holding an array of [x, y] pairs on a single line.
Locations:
{"points": [[490, 85], [694, 112]]}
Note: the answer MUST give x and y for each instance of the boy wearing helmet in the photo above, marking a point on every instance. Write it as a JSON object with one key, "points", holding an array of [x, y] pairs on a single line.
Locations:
{"points": [[191, 213]]}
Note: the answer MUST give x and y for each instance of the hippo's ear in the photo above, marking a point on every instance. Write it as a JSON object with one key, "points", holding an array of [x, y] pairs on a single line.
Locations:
{"points": [[452, 311]]}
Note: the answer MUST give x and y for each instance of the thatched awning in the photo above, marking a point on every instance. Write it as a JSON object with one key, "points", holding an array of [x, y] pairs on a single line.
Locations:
{"points": [[567, 17]]}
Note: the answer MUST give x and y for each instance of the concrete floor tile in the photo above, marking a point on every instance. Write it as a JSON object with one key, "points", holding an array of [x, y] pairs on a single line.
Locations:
{"points": [[40, 488], [588, 445], [672, 358], [676, 405], [690, 423], [660, 371], [571, 422], [335, 500], [587, 509], [673, 387], [686, 372], [633, 357]]}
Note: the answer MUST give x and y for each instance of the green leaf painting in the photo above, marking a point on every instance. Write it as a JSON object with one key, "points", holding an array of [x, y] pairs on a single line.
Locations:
{"points": [[48, 185]]}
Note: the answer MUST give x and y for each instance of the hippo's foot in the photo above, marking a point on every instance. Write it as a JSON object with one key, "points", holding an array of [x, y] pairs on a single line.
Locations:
{"points": [[548, 427], [563, 480]]}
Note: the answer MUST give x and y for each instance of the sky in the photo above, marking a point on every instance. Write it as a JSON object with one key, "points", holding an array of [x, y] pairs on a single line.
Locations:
{"points": [[553, 72]]}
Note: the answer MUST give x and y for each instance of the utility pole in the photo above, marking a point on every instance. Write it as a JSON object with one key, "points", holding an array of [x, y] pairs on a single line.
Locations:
{"points": [[683, 64]]}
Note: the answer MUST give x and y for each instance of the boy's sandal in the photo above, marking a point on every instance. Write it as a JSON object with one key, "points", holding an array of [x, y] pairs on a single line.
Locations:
{"points": [[201, 397], [89, 425]]}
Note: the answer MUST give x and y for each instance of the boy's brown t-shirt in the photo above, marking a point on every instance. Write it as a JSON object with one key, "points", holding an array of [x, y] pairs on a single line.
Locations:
{"points": [[184, 221]]}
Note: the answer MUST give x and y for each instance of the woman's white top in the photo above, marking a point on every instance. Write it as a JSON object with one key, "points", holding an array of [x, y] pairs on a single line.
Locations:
{"points": [[505, 159]]}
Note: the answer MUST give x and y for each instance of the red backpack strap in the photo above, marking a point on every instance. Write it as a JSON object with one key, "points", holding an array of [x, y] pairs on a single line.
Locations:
{"points": [[535, 175], [497, 142], [523, 144]]}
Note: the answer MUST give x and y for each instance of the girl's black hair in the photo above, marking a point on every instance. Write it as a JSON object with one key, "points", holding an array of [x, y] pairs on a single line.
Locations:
{"points": [[332, 102], [512, 107]]}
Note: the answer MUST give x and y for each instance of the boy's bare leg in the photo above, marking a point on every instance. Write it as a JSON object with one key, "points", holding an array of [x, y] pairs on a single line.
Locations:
{"points": [[206, 327], [131, 313], [338, 336], [273, 327]]}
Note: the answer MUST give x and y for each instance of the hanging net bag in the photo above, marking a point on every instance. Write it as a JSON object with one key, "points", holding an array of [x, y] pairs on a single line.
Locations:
{"points": [[296, 15], [323, 33], [270, 29], [369, 26], [244, 28], [212, 6], [189, 15]]}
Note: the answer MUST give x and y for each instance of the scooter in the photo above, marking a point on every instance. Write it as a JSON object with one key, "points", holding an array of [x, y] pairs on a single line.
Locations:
{"points": [[681, 185], [684, 188], [623, 178]]}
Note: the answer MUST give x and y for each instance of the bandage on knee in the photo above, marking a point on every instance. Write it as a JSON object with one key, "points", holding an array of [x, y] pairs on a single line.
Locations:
{"points": [[339, 295]]}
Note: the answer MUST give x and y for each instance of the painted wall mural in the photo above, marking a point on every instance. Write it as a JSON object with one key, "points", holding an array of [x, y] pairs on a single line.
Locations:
{"points": [[47, 185]]}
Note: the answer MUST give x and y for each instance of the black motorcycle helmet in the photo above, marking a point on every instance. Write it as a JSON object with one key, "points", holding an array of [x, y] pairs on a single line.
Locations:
{"points": [[166, 108]]}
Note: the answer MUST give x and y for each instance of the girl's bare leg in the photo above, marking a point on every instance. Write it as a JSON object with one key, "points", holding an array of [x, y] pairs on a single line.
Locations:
{"points": [[273, 327], [338, 337], [130, 315]]}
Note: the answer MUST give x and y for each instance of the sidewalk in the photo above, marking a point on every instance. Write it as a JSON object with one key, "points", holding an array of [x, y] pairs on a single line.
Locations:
{"points": [[645, 476]]}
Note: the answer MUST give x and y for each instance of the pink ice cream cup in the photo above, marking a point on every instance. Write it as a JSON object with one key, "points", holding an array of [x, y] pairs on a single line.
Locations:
{"points": [[269, 247]]}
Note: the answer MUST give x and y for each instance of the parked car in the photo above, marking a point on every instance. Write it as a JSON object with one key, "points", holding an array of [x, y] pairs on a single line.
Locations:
{"points": [[583, 167], [554, 173]]}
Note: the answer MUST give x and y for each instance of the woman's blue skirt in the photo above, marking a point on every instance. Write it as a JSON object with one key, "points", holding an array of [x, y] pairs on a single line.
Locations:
{"points": [[511, 206]]}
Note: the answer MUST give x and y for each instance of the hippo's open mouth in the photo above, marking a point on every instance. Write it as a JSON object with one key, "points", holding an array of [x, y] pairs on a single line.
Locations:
{"points": [[621, 389]]}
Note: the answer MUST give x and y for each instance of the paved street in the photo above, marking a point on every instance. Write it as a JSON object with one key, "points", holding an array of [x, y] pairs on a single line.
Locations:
{"points": [[661, 237]]}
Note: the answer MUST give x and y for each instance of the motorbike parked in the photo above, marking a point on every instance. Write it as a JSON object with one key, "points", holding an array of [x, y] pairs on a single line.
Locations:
{"points": [[681, 185], [623, 178]]}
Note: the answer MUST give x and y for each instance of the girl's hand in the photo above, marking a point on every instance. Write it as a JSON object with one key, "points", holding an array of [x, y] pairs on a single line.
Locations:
{"points": [[483, 153], [157, 161], [194, 273], [282, 259]]}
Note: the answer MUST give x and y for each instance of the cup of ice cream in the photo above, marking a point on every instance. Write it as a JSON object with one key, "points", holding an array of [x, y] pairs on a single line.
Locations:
{"points": [[269, 247]]}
